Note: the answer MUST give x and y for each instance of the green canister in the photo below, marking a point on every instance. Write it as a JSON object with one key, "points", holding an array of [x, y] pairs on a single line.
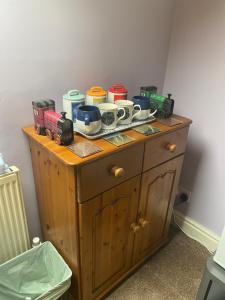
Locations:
{"points": [[71, 100], [147, 91]]}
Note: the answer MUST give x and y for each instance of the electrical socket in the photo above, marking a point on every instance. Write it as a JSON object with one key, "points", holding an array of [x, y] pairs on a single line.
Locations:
{"points": [[183, 195]]}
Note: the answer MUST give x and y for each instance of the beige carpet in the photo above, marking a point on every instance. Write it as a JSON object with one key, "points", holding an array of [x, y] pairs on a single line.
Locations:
{"points": [[174, 273]]}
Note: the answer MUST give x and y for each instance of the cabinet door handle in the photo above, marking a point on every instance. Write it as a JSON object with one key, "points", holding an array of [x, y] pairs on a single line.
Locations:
{"points": [[171, 147], [117, 171], [134, 227], [142, 222]]}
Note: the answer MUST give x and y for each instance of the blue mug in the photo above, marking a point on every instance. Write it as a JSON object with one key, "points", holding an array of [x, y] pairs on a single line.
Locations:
{"points": [[88, 119], [145, 111]]}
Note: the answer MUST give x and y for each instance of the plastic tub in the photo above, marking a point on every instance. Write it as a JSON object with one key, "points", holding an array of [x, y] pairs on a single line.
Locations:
{"points": [[39, 273]]}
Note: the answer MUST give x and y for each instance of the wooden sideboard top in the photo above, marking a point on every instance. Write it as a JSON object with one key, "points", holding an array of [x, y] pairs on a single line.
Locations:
{"points": [[69, 158]]}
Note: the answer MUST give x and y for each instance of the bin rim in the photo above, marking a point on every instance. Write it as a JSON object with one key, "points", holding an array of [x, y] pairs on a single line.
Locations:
{"points": [[34, 249], [61, 285]]}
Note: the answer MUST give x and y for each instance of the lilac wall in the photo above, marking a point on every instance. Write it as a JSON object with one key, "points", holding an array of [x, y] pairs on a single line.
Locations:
{"points": [[196, 76], [49, 47]]}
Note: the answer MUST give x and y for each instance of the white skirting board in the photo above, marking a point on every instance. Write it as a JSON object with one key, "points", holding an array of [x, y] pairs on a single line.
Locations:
{"points": [[196, 231]]}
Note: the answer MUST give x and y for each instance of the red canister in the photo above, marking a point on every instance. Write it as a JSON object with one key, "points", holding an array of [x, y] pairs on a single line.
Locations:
{"points": [[117, 92]]}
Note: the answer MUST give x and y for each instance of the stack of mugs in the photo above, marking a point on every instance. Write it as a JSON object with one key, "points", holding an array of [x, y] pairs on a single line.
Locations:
{"points": [[102, 110]]}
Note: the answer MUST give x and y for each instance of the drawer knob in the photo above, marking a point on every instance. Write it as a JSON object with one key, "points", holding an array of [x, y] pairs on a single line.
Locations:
{"points": [[143, 223], [134, 227], [117, 171], [171, 147]]}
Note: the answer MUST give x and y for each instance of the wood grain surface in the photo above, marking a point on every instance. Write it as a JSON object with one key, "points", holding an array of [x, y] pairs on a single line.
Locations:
{"points": [[96, 177], [57, 206], [68, 157], [156, 151], [106, 237], [157, 196], [108, 212]]}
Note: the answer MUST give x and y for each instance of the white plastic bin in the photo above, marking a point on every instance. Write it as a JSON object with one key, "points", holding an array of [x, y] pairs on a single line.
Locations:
{"points": [[39, 273]]}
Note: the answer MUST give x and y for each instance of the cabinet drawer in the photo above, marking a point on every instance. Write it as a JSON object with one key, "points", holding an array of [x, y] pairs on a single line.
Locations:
{"points": [[96, 177], [165, 147]]}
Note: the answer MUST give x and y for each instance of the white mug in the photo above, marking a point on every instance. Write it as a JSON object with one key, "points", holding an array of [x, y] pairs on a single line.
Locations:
{"points": [[109, 115], [144, 114], [129, 110]]}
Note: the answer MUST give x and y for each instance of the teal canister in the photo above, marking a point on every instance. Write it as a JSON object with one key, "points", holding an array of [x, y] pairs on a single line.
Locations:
{"points": [[71, 101]]}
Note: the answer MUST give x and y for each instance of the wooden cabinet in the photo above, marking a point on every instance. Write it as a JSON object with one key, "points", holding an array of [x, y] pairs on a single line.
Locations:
{"points": [[108, 212]]}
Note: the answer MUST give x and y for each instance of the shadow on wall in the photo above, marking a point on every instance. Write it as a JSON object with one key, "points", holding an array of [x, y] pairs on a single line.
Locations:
{"points": [[192, 162]]}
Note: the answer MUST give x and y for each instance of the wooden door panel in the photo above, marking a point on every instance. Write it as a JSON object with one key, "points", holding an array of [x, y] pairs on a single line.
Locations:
{"points": [[110, 238], [156, 204], [106, 238]]}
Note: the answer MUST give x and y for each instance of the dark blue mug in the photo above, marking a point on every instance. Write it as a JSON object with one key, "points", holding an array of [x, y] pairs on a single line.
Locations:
{"points": [[144, 103], [88, 119], [88, 113]]}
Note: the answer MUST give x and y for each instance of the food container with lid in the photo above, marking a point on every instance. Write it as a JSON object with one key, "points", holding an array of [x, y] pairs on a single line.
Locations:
{"points": [[71, 101], [95, 95], [117, 92]]}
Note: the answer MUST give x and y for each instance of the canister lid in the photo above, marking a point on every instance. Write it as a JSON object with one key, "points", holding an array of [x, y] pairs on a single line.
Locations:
{"points": [[96, 91], [117, 88], [74, 95]]}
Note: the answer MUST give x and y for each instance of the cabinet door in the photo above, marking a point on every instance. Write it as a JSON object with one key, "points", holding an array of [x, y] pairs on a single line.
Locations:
{"points": [[106, 240], [158, 188]]}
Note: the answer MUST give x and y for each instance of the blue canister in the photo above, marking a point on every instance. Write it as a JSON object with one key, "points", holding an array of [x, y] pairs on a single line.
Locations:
{"points": [[71, 101], [88, 119]]}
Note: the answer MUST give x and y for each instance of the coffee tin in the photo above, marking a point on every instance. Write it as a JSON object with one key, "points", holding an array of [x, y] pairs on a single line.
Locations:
{"points": [[95, 95], [71, 101], [117, 92]]}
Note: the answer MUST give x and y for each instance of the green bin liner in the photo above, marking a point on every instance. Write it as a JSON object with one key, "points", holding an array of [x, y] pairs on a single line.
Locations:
{"points": [[39, 273]]}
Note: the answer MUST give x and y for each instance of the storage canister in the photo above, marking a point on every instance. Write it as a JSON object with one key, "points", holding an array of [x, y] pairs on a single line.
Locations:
{"points": [[117, 92], [147, 91], [71, 101], [95, 95]]}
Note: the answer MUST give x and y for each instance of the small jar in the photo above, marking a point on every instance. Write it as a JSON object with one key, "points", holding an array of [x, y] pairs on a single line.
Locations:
{"points": [[71, 101], [36, 242], [95, 95], [117, 92]]}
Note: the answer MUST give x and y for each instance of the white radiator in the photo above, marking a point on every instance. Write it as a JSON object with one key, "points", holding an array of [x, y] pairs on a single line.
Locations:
{"points": [[14, 237]]}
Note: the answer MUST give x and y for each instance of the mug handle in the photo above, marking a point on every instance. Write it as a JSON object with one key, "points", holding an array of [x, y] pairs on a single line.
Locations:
{"points": [[138, 106], [124, 113], [86, 120], [152, 114]]}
